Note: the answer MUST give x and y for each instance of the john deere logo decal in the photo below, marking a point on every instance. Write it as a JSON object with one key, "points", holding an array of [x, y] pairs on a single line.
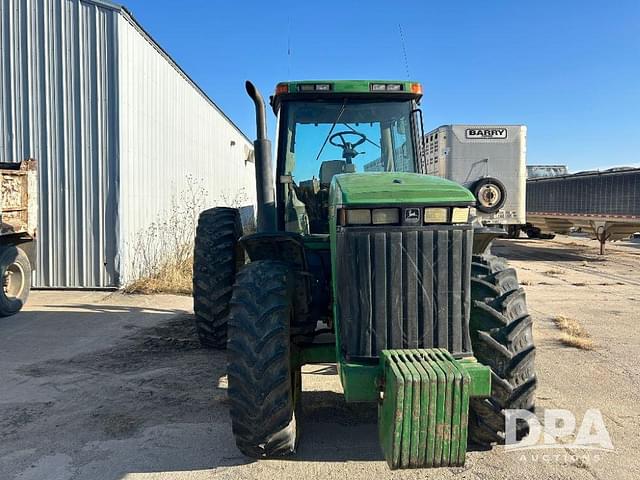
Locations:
{"points": [[412, 215], [486, 133]]}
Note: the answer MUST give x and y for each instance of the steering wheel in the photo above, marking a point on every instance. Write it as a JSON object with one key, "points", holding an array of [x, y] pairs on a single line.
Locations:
{"points": [[348, 148]]}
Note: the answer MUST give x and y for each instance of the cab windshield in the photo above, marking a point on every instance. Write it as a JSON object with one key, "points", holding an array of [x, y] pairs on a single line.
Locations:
{"points": [[319, 140]]}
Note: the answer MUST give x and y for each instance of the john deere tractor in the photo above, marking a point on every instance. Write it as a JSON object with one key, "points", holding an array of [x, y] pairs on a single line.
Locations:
{"points": [[361, 261]]}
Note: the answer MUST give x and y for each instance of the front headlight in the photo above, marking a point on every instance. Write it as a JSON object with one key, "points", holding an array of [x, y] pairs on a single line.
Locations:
{"points": [[436, 215], [385, 216], [360, 216], [460, 215]]}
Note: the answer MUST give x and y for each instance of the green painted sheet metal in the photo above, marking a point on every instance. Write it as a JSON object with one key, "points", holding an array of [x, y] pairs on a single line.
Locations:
{"points": [[480, 385], [390, 412], [388, 188], [351, 86], [423, 415], [361, 383]]}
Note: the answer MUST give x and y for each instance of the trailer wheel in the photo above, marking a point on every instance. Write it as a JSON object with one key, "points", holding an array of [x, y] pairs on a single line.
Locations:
{"points": [[263, 386], [490, 194], [513, 231], [15, 271], [501, 336], [216, 258], [535, 232]]}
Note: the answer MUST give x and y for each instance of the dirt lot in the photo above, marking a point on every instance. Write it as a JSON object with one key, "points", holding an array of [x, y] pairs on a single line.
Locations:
{"points": [[105, 386]]}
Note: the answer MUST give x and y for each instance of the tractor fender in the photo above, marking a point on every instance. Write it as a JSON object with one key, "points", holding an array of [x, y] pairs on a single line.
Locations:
{"points": [[288, 248]]}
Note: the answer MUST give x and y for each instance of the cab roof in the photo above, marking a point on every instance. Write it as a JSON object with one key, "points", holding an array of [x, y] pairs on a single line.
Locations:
{"points": [[327, 89]]}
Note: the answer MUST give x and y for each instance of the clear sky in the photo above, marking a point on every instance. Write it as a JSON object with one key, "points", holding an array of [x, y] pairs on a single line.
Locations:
{"points": [[568, 69]]}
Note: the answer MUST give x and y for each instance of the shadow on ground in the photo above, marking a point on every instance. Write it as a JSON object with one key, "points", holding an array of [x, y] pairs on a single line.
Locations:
{"points": [[530, 250], [152, 402]]}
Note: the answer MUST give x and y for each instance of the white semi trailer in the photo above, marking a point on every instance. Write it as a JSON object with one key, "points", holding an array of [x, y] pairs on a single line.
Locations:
{"points": [[490, 160]]}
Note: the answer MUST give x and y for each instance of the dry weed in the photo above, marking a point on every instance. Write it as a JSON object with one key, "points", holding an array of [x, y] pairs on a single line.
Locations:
{"points": [[163, 253], [573, 334], [554, 272]]}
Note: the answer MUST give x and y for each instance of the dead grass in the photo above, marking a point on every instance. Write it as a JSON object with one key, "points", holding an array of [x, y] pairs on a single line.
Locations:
{"points": [[163, 252], [172, 277], [554, 272], [573, 334], [577, 342]]}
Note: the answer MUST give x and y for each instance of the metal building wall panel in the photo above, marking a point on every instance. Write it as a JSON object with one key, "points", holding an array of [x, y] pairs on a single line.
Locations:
{"points": [[170, 131], [58, 105]]}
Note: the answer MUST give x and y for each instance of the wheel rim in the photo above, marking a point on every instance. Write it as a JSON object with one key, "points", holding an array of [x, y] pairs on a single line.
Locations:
{"points": [[13, 281], [489, 195]]}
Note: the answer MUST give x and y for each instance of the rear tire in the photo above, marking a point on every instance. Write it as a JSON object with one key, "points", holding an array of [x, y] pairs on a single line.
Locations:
{"points": [[501, 336], [263, 387], [15, 272], [216, 258]]}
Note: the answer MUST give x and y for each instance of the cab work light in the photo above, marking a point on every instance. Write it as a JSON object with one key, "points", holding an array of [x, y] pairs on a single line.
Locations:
{"points": [[318, 87], [386, 87], [436, 215], [282, 88]]}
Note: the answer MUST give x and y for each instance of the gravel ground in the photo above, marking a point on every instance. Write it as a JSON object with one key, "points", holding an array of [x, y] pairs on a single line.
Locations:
{"points": [[108, 387]]}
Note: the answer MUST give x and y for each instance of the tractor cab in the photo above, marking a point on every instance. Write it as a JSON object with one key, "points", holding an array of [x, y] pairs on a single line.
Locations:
{"points": [[340, 127]]}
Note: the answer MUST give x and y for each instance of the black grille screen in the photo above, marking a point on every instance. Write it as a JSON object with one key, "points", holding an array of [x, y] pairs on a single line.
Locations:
{"points": [[404, 288]]}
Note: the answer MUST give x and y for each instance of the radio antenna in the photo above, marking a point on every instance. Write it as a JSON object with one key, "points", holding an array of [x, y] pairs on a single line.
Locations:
{"points": [[289, 47], [404, 51]]}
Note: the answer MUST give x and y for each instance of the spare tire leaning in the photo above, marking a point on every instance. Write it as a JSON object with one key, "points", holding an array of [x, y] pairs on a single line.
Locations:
{"points": [[490, 194]]}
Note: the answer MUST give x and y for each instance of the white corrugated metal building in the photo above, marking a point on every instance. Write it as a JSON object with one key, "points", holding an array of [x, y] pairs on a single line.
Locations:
{"points": [[116, 126]]}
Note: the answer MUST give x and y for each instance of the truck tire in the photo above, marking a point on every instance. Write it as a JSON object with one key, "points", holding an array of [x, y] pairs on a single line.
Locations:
{"points": [[535, 232], [501, 337], [216, 258], [513, 231], [15, 271], [263, 386]]}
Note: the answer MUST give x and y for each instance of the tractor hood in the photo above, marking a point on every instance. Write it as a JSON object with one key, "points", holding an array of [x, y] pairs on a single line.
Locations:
{"points": [[387, 188]]}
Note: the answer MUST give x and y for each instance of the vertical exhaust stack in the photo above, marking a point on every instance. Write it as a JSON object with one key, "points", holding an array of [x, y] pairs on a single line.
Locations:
{"points": [[265, 190]]}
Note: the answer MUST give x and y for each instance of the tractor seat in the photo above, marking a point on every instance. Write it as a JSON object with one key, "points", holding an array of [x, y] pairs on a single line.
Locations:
{"points": [[330, 168]]}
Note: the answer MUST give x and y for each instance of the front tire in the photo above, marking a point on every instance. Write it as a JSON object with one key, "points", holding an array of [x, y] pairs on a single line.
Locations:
{"points": [[262, 383], [501, 336], [216, 258], [15, 272]]}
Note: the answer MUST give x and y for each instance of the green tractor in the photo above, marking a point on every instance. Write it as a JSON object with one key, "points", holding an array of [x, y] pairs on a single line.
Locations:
{"points": [[362, 261]]}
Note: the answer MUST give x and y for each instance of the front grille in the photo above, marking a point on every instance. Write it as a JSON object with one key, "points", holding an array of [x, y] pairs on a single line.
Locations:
{"points": [[403, 288]]}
